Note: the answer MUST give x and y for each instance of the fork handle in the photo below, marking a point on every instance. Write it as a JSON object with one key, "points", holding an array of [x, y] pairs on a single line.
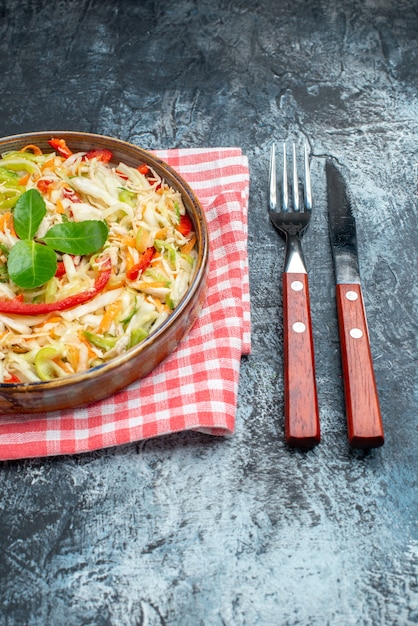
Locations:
{"points": [[364, 421], [302, 427]]}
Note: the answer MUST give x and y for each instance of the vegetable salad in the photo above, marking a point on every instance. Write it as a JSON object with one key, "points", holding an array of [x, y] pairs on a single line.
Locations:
{"points": [[93, 257]]}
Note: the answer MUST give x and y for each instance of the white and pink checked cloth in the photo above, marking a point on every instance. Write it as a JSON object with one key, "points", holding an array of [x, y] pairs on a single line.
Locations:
{"points": [[196, 387]]}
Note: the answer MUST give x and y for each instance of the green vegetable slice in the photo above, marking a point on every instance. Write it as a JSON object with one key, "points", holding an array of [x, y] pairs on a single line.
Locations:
{"points": [[101, 341], [43, 362], [130, 197], [8, 175], [137, 335]]}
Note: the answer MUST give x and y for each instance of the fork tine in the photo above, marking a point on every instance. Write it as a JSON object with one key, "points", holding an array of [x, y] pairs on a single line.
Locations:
{"points": [[307, 195], [285, 194], [272, 179], [295, 186], [307, 185]]}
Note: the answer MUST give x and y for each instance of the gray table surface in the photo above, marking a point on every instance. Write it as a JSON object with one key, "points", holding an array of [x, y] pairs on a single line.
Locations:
{"points": [[191, 530]]}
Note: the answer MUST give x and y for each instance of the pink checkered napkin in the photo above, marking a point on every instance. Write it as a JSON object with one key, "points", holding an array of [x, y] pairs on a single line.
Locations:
{"points": [[195, 388]]}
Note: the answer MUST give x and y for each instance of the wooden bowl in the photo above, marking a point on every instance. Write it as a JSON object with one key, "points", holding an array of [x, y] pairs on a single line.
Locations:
{"points": [[105, 380]]}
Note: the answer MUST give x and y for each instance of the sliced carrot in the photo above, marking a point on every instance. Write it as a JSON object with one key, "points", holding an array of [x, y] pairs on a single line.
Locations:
{"points": [[6, 221], [22, 181], [143, 239], [59, 207], [48, 165], [114, 285], [73, 356], [128, 241], [108, 317], [154, 285], [162, 233], [160, 306], [31, 148], [157, 264], [91, 352], [51, 320], [11, 225], [3, 220], [188, 247], [58, 360], [130, 262], [53, 331]]}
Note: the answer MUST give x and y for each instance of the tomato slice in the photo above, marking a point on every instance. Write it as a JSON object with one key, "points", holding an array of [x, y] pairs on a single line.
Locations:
{"points": [[143, 169], [70, 194], [101, 154], [11, 378], [185, 225], [60, 269], [43, 185], [60, 146]]}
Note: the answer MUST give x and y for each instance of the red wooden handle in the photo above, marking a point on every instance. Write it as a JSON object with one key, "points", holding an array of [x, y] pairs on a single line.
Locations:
{"points": [[301, 402], [364, 421]]}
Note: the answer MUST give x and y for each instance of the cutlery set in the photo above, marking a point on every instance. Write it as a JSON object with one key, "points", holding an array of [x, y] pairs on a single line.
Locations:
{"points": [[291, 218]]}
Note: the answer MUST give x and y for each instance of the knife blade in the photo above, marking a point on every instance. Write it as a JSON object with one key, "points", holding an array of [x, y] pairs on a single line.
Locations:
{"points": [[364, 420]]}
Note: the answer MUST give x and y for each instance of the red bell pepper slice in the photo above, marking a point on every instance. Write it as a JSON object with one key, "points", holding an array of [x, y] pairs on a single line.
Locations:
{"points": [[61, 147], [17, 307], [70, 194], [43, 185], [60, 269], [101, 154], [143, 169], [142, 265], [185, 225], [11, 379]]}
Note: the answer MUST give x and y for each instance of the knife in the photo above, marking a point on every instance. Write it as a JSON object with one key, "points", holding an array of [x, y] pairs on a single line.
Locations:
{"points": [[364, 420]]}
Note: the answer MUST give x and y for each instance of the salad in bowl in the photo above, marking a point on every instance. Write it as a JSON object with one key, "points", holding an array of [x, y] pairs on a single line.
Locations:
{"points": [[100, 245]]}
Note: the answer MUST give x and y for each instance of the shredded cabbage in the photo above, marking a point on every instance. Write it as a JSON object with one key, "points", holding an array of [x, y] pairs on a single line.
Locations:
{"points": [[152, 262]]}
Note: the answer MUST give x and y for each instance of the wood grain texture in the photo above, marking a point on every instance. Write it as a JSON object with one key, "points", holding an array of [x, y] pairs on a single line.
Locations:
{"points": [[302, 428], [364, 420]]}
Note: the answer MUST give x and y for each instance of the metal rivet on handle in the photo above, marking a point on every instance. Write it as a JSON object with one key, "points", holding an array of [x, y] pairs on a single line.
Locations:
{"points": [[299, 327], [296, 285], [356, 333], [351, 295]]}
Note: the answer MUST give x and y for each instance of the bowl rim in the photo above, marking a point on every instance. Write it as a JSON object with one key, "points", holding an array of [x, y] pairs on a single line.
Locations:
{"points": [[200, 271]]}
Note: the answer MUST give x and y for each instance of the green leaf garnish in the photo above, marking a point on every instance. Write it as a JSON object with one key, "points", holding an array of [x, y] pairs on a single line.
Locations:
{"points": [[31, 264], [77, 237], [28, 213]]}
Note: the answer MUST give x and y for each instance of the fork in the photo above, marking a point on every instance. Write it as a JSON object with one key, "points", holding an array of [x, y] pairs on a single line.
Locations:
{"points": [[291, 219]]}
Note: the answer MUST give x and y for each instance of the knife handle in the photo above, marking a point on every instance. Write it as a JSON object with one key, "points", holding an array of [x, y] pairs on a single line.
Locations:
{"points": [[364, 421], [301, 402]]}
